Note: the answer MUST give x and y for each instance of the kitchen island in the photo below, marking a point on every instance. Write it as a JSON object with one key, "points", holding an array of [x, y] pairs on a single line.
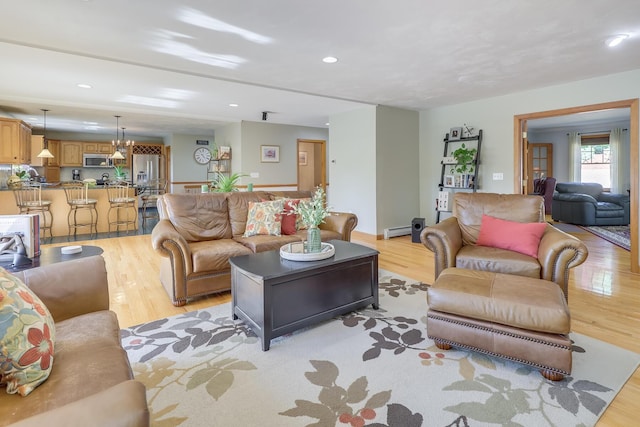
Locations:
{"points": [[60, 208]]}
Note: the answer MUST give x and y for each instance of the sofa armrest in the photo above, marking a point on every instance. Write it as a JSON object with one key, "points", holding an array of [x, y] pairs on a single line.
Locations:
{"points": [[557, 253], [618, 199], [70, 288], [341, 222], [574, 197], [167, 242], [123, 405], [444, 240]]}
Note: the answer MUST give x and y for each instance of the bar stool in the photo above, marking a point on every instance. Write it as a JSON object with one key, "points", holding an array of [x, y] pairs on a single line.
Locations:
{"points": [[78, 201], [29, 201], [124, 205], [153, 191]]}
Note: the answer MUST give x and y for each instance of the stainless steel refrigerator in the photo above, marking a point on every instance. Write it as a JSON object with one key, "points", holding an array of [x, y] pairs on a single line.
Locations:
{"points": [[146, 168]]}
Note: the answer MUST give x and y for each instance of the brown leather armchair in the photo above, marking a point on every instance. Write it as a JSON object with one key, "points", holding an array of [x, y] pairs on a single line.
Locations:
{"points": [[454, 240]]}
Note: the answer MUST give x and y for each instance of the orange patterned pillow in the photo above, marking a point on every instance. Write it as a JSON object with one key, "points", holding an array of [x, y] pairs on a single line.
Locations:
{"points": [[264, 218]]}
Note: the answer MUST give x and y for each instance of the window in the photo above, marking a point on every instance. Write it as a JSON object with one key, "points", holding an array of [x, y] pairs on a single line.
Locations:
{"points": [[596, 160]]}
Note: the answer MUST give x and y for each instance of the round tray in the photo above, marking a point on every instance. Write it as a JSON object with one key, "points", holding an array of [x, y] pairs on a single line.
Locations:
{"points": [[296, 252]]}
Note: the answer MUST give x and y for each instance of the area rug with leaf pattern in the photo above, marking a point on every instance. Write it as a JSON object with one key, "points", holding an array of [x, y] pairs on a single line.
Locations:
{"points": [[367, 368]]}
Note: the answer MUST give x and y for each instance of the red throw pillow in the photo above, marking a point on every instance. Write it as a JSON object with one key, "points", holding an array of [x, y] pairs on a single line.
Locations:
{"points": [[515, 236], [288, 217]]}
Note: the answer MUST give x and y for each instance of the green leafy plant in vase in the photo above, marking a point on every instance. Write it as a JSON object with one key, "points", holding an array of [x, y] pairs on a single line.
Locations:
{"points": [[223, 183], [465, 158], [312, 214], [119, 173]]}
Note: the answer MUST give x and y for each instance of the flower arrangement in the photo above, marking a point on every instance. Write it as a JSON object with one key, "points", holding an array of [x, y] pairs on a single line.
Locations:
{"points": [[314, 211]]}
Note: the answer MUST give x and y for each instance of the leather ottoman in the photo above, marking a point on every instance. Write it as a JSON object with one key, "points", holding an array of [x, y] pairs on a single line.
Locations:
{"points": [[519, 318]]}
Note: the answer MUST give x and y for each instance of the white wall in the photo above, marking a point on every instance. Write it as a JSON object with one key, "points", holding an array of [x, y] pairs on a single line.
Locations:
{"points": [[398, 167], [352, 154], [184, 166], [255, 134], [374, 166], [495, 117]]}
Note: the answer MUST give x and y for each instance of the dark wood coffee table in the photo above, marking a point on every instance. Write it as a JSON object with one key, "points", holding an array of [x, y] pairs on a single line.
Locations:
{"points": [[275, 296]]}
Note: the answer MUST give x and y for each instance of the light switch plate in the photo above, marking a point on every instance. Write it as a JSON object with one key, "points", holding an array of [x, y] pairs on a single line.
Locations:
{"points": [[254, 175], [498, 176]]}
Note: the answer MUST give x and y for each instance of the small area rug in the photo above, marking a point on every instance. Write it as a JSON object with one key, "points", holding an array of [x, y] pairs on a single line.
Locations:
{"points": [[619, 235], [368, 368]]}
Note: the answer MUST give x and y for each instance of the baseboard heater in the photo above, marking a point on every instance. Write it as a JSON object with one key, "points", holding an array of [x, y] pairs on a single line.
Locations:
{"points": [[396, 231]]}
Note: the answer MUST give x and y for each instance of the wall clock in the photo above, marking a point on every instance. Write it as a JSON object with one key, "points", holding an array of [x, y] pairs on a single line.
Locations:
{"points": [[202, 155]]}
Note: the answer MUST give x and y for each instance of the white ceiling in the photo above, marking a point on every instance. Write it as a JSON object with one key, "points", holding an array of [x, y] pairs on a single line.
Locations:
{"points": [[174, 67]]}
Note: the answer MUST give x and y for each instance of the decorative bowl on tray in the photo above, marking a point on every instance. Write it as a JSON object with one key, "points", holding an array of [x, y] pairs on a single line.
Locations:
{"points": [[297, 252]]}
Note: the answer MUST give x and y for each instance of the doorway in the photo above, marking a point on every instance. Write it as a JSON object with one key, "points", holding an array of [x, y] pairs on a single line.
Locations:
{"points": [[539, 163], [520, 156], [312, 164]]}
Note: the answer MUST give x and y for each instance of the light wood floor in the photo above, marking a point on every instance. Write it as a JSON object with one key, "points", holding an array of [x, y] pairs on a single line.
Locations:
{"points": [[604, 297]]}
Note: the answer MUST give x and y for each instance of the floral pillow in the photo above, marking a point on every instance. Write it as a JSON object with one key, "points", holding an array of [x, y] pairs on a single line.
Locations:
{"points": [[27, 333], [264, 218]]}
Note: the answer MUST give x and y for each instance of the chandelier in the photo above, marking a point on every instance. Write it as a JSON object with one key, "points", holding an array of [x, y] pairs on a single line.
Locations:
{"points": [[120, 146], [45, 153]]}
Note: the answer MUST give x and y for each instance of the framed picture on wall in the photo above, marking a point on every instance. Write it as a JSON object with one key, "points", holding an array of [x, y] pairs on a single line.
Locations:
{"points": [[270, 153], [455, 134], [302, 158]]}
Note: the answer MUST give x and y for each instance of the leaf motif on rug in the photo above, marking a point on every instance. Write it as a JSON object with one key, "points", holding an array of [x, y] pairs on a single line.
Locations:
{"points": [[373, 368], [351, 405]]}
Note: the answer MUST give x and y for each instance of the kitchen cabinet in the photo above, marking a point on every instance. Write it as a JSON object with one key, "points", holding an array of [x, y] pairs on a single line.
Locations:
{"points": [[36, 147], [52, 173], [71, 153], [15, 141], [97, 148]]}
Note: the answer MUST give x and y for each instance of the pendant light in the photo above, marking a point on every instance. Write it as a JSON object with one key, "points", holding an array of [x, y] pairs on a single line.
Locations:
{"points": [[117, 155], [45, 153]]}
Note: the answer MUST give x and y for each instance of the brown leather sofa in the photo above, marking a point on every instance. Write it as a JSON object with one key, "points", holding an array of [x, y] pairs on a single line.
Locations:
{"points": [[198, 233], [453, 240], [91, 383]]}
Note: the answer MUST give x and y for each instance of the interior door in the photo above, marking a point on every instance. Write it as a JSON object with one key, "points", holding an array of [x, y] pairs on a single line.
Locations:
{"points": [[311, 164], [539, 162]]}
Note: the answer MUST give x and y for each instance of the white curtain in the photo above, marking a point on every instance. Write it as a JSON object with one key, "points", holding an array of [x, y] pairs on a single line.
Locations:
{"points": [[615, 139], [575, 156]]}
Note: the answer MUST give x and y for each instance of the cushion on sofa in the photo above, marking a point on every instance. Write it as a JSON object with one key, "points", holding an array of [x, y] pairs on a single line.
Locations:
{"points": [[264, 218], [89, 359], [203, 217], [289, 218], [514, 236], [239, 208], [213, 255], [27, 336]]}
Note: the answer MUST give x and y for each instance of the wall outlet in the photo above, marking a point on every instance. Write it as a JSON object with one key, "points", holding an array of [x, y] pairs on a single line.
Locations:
{"points": [[498, 176], [254, 175]]}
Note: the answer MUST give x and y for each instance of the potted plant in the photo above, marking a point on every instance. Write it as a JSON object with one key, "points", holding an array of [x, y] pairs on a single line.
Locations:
{"points": [[465, 158], [312, 214], [120, 173], [223, 183]]}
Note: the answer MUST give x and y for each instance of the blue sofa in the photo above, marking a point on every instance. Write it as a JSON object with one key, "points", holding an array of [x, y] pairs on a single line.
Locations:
{"points": [[585, 203]]}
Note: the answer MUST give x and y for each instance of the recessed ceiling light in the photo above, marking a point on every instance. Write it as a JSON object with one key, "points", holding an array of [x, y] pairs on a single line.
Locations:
{"points": [[330, 60], [84, 86], [616, 40], [233, 105]]}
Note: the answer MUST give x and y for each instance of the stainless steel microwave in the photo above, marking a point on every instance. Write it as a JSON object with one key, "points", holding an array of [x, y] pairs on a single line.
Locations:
{"points": [[97, 161]]}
